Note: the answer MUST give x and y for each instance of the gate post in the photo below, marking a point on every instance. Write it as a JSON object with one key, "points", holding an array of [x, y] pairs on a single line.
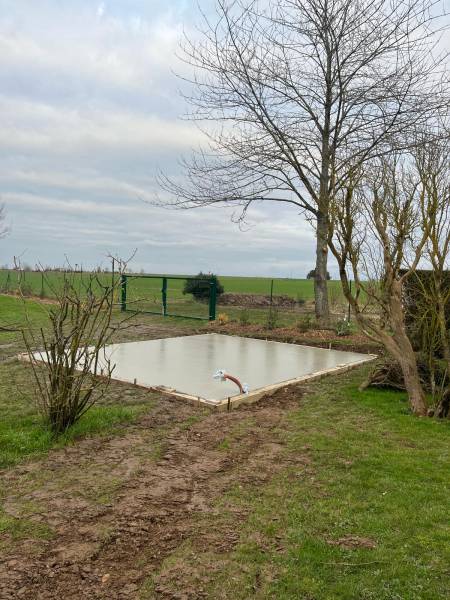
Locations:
{"points": [[123, 292], [164, 296], [212, 300]]}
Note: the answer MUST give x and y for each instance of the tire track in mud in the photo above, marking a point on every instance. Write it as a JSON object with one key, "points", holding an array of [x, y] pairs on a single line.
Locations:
{"points": [[118, 507]]}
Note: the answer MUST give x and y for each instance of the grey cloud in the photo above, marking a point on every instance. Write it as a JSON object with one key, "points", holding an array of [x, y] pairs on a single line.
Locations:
{"points": [[89, 113]]}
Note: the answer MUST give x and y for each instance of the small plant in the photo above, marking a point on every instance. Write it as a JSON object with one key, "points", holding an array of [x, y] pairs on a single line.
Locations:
{"points": [[244, 317], [272, 318], [304, 323], [343, 328], [223, 318]]}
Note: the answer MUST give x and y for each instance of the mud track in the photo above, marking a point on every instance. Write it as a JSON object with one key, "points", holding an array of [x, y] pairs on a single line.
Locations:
{"points": [[110, 511]]}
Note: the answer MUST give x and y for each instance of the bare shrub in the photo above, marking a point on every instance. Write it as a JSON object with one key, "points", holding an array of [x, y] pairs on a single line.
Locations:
{"points": [[71, 371]]}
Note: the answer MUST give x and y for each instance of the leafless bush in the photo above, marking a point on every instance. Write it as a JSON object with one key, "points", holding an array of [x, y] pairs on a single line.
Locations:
{"points": [[71, 371]]}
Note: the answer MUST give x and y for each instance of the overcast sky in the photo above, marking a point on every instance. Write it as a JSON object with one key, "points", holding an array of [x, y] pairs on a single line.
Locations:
{"points": [[89, 112]]}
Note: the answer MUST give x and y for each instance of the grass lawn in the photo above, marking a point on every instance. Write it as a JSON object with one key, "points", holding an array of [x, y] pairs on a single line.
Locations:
{"points": [[24, 434], [366, 518], [356, 508], [22, 431]]}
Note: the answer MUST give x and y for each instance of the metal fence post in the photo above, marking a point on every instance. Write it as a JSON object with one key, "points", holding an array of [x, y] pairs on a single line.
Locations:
{"points": [[271, 293], [212, 300], [123, 292], [164, 296]]}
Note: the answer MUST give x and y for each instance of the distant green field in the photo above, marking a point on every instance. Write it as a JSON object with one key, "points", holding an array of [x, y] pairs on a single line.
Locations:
{"points": [[295, 288], [144, 293]]}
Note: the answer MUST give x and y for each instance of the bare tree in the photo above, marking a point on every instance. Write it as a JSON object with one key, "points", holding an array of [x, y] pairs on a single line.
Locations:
{"points": [[296, 94], [380, 230], [432, 161]]}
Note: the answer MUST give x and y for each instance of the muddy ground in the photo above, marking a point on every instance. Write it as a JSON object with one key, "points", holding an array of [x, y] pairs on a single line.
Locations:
{"points": [[99, 519], [321, 338], [115, 508]]}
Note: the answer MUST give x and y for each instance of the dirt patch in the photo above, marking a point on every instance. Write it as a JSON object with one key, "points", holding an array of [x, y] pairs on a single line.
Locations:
{"points": [[256, 301], [320, 338], [116, 508], [353, 541], [142, 329]]}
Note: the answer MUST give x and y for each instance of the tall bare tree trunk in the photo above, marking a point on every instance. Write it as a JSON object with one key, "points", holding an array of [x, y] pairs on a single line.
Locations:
{"points": [[320, 281], [413, 384], [401, 348]]}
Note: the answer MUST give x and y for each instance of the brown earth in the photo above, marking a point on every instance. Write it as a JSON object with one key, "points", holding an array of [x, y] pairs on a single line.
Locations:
{"points": [[256, 300], [104, 514], [321, 338]]}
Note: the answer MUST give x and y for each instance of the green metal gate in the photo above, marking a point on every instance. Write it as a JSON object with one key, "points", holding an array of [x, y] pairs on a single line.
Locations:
{"points": [[136, 300]]}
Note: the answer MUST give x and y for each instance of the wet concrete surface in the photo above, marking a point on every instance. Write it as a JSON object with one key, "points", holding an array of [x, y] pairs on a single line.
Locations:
{"points": [[187, 364]]}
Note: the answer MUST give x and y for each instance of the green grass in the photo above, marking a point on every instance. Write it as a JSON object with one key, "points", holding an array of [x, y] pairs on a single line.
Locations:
{"points": [[19, 529], [371, 470], [13, 313], [144, 294], [23, 432], [295, 288]]}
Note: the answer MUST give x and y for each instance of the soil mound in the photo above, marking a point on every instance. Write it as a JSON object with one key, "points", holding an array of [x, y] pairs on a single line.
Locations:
{"points": [[256, 300]]}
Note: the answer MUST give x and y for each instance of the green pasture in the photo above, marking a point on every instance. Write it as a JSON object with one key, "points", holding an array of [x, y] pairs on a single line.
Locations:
{"points": [[46, 286]]}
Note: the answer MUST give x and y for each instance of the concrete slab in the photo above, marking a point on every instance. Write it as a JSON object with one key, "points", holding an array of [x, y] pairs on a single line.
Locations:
{"points": [[185, 366]]}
